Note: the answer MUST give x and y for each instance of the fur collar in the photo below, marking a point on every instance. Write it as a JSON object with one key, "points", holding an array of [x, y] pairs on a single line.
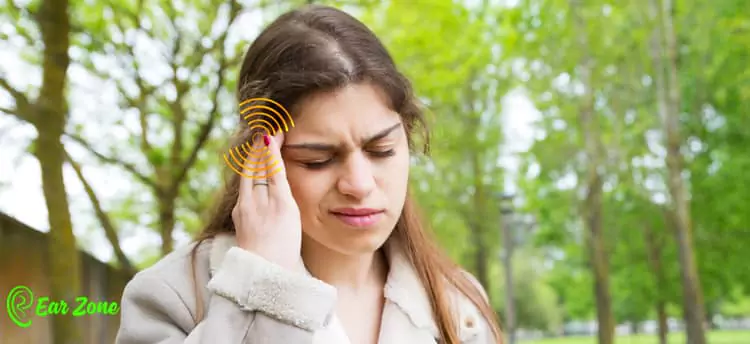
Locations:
{"points": [[403, 287]]}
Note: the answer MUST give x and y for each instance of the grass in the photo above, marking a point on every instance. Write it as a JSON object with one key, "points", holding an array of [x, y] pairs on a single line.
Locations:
{"points": [[716, 337]]}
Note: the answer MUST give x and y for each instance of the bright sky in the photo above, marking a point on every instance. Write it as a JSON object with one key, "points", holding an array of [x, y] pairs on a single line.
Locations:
{"points": [[20, 182]]}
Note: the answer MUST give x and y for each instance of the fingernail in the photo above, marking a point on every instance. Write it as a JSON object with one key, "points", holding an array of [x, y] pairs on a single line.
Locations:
{"points": [[266, 140]]}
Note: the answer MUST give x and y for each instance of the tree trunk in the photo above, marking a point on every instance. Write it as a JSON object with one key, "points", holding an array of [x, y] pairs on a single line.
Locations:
{"points": [[510, 307], [668, 92], [480, 253], [654, 251], [592, 207], [166, 222], [478, 229], [661, 313], [480, 257], [634, 329], [109, 229], [598, 257], [64, 262]]}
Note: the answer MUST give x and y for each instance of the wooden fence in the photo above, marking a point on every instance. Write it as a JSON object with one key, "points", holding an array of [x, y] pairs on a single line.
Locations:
{"points": [[23, 261]]}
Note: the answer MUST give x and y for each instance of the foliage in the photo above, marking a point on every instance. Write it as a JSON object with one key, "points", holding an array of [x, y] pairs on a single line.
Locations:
{"points": [[147, 77]]}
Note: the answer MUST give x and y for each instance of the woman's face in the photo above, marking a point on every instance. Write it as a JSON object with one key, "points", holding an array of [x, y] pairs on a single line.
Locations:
{"points": [[347, 162]]}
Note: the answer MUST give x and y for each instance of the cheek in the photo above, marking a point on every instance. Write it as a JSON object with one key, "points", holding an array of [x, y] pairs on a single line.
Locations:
{"points": [[306, 189], [395, 173]]}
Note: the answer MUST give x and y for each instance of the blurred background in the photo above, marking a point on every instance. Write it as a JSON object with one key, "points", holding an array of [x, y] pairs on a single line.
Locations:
{"points": [[588, 158]]}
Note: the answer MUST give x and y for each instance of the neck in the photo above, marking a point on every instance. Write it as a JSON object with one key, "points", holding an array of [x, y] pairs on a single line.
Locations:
{"points": [[348, 273]]}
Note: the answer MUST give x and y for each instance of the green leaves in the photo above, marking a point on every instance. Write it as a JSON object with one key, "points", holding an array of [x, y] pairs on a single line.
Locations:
{"points": [[463, 59], [714, 104]]}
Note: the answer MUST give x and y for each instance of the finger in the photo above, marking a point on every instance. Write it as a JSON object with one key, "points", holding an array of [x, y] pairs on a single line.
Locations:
{"points": [[277, 173], [259, 169], [249, 153], [244, 155]]}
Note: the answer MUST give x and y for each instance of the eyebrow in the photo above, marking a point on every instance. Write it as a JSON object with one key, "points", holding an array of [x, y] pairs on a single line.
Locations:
{"points": [[329, 147]]}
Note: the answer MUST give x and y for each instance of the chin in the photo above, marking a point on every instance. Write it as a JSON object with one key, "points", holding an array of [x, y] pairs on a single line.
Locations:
{"points": [[353, 240], [358, 241]]}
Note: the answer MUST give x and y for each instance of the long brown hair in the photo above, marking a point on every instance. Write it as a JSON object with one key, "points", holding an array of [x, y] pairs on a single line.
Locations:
{"points": [[319, 48]]}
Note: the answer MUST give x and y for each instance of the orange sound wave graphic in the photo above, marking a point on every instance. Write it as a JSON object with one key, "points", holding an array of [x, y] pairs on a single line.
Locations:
{"points": [[263, 120]]}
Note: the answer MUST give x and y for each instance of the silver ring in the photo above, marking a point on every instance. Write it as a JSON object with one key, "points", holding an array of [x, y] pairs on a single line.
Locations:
{"points": [[256, 183]]}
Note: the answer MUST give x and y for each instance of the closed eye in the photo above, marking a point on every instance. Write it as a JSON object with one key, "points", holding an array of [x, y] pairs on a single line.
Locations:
{"points": [[316, 165], [383, 154]]}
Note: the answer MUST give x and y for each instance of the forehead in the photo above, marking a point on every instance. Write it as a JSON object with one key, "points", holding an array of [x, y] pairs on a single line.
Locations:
{"points": [[358, 110]]}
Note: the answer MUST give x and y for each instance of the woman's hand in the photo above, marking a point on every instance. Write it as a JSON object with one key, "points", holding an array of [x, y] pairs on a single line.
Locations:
{"points": [[266, 216]]}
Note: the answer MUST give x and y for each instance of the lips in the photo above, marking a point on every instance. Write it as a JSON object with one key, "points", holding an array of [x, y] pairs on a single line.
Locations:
{"points": [[356, 211], [358, 217]]}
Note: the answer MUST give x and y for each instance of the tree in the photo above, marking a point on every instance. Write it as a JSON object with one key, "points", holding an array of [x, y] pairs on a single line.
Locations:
{"points": [[714, 97], [185, 103], [565, 74], [592, 207], [110, 230], [47, 112], [669, 105]]}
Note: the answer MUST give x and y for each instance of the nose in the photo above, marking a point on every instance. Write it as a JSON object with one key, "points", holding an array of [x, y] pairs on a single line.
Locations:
{"points": [[356, 179]]}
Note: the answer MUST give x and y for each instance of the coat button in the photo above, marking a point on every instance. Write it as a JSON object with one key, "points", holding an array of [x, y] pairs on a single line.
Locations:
{"points": [[469, 322]]}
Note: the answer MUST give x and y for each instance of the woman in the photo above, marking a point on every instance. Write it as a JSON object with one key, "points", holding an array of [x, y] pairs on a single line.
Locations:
{"points": [[329, 249]]}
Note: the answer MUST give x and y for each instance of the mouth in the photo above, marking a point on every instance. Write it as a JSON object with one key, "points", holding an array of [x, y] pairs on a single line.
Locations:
{"points": [[358, 217]]}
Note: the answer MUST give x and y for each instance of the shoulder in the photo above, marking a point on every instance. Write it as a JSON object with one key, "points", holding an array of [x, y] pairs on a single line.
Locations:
{"points": [[473, 326], [176, 267], [475, 283], [170, 285]]}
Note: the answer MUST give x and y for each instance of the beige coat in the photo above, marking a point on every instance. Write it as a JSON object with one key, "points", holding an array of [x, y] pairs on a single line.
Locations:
{"points": [[250, 300]]}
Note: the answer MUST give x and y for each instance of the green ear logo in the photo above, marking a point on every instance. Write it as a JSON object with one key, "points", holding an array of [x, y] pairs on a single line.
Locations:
{"points": [[258, 118], [19, 303]]}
